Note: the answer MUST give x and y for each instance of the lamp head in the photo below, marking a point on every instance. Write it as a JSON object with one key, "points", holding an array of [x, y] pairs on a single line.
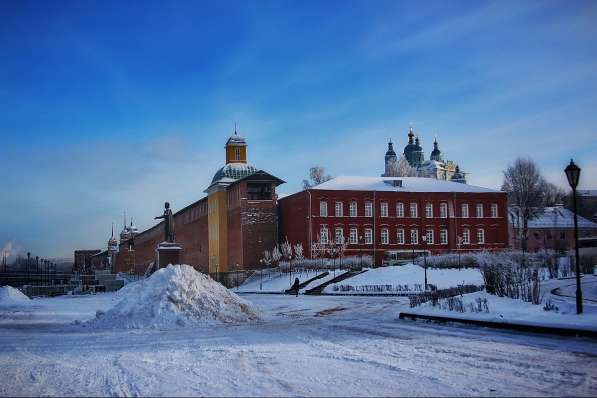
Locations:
{"points": [[572, 174]]}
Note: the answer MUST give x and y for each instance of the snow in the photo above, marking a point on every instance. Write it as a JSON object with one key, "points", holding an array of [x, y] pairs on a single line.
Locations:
{"points": [[278, 283], [175, 296], [11, 296], [411, 274], [305, 346], [409, 184], [554, 217], [507, 310]]}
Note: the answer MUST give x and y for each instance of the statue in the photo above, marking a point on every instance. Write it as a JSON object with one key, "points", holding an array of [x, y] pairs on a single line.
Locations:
{"points": [[169, 223]]}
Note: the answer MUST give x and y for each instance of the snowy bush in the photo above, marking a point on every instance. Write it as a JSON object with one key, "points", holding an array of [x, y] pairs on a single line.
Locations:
{"points": [[476, 259], [404, 289], [435, 296], [323, 264]]}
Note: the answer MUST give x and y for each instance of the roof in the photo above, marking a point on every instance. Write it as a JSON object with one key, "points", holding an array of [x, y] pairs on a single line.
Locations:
{"points": [[236, 139], [554, 217], [586, 192], [232, 172], [409, 184]]}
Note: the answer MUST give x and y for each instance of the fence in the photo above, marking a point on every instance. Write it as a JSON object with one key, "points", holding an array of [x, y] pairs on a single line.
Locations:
{"points": [[436, 295]]}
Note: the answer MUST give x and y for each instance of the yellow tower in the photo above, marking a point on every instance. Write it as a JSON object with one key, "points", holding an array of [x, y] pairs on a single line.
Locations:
{"points": [[217, 209]]}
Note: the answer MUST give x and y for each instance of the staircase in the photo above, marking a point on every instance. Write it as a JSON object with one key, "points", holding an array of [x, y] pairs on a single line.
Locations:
{"points": [[305, 283], [319, 289]]}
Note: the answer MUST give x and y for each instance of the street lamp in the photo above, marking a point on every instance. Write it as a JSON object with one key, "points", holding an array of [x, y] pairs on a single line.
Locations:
{"points": [[458, 244], [361, 249], [573, 174], [424, 237], [261, 275]]}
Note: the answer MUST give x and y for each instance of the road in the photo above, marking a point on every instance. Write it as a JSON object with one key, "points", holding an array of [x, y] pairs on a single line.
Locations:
{"points": [[306, 346]]}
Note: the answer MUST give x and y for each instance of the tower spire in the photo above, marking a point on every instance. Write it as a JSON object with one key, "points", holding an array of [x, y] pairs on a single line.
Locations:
{"points": [[112, 236]]}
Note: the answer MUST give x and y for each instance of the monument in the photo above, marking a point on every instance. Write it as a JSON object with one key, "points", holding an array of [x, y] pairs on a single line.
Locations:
{"points": [[168, 251]]}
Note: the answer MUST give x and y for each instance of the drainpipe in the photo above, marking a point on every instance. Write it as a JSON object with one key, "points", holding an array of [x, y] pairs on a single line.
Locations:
{"points": [[374, 230], [310, 226]]}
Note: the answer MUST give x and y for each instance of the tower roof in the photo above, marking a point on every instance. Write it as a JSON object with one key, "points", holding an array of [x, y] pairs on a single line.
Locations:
{"points": [[390, 151], [436, 153]]}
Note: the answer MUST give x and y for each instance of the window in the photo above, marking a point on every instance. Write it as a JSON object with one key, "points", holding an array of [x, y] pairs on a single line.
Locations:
{"points": [[353, 236], [443, 237], [443, 210], [400, 209], [259, 191], [494, 210], [414, 236], [368, 209], [383, 209], [353, 209], [400, 236], [385, 236], [236, 153], [368, 236], [480, 236], [323, 209], [479, 210], [429, 210], [464, 210], [339, 235], [466, 237], [323, 236], [413, 210], [339, 210], [429, 236]]}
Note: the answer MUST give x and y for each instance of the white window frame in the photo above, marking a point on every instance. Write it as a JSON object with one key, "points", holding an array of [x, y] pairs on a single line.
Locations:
{"points": [[368, 209], [339, 209], [385, 236], [400, 236], [368, 236], [414, 236], [383, 209], [480, 236], [466, 236], [428, 210], [353, 236], [443, 236], [464, 210], [494, 210], [236, 154], [443, 210], [429, 235], [414, 210], [352, 208], [324, 236], [323, 208], [479, 210], [400, 210], [339, 235]]}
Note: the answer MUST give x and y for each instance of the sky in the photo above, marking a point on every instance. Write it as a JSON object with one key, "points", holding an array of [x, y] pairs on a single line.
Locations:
{"points": [[107, 106]]}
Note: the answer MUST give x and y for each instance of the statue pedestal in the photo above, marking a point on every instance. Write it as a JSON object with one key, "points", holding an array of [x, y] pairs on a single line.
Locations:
{"points": [[168, 253]]}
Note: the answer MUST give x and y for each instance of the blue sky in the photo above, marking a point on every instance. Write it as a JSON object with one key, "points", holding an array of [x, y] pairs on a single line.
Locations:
{"points": [[107, 106]]}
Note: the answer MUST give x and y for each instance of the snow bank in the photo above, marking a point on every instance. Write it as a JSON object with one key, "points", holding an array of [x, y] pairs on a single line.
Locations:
{"points": [[11, 296], [175, 296]]}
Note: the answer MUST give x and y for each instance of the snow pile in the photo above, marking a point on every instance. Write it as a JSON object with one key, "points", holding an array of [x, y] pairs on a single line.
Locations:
{"points": [[175, 296], [11, 296]]}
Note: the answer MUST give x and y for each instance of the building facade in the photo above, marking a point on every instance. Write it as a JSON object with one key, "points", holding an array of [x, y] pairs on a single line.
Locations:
{"points": [[380, 215], [553, 230], [225, 231]]}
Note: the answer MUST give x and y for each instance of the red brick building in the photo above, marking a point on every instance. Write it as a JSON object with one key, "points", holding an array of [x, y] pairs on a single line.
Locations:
{"points": [[225, 231], [379, 215]]}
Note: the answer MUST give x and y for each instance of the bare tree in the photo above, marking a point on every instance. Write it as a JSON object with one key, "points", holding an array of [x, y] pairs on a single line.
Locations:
{"points": [[552, 194], [401, 168], [524, 185], [316, 176]]}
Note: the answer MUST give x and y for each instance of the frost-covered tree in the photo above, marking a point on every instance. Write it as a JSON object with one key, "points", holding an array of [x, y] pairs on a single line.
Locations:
{"points": [[286, 248], [552, 194], [524, 185], [316, 176], [401, 168], [276, 255], [267, 259], [298, 253]]}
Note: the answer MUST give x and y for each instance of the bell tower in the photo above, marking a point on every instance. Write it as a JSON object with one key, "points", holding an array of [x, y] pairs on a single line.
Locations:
{"points": [[236, 148]]}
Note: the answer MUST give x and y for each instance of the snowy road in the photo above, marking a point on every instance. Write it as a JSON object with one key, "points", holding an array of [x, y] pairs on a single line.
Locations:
{"points": [[323, 346]]}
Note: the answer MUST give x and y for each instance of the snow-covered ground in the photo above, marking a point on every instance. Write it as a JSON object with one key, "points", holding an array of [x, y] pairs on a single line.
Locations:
{"points": [[411, 275], [507, 310], [278, 283], [306, 346]]}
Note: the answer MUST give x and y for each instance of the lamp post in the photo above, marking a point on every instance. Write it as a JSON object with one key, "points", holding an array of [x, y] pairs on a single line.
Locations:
{"points": [[424, 237], [261, 275], [458, 244], [361, 249], [573, 174]]}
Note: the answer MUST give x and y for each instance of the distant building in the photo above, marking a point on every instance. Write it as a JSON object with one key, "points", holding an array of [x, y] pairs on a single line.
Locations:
{"points": [[82, 259], [436, 167], [378, 216], [587, 203], [553, 229]]}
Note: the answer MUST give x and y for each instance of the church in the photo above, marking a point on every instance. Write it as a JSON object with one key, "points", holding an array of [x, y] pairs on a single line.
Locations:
{"points": [[225, 231], [436, 167]]}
